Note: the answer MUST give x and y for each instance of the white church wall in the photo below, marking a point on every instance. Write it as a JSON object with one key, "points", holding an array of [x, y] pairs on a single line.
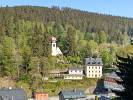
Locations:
{"points": [[55, 50]]}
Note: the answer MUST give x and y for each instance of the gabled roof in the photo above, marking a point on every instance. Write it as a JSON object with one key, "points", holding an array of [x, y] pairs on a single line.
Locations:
{"points": [[73, 94], [13, 94], [76, 68], [113, 75], [113, 78], [93, 61]]}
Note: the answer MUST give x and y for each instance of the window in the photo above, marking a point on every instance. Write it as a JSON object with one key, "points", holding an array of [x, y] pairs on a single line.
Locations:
{"points": [[96, 67], [88, 62], [53, 45], [95, 75]]}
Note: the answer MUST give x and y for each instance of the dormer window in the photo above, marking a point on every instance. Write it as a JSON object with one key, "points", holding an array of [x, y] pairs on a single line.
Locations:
{"points": [[88, 62], [98, 62], [93, 62]]}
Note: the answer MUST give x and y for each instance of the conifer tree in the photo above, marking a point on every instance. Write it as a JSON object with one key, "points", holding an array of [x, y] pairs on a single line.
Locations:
{"points": [[71, 41], [125, 65]]}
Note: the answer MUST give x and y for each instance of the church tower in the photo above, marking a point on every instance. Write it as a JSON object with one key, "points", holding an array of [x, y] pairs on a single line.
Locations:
{"points": [[54, 46], [55, 49]]}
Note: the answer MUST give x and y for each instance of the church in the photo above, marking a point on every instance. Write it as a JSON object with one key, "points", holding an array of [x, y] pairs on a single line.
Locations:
{"points": [[55, 49]]}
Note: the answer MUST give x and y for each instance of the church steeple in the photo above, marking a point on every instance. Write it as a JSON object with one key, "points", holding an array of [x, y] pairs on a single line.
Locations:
{"points": [[54, 46], [55, 50]]}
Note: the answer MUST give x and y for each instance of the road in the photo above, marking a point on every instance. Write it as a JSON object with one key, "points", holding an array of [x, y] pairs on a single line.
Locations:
{"points": [[89, 97]]}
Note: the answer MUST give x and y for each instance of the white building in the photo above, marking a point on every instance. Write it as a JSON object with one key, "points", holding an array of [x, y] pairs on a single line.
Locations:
{"points": [[77, 71], [93, 67], [55, 50], [74, 74], [73, 77]]}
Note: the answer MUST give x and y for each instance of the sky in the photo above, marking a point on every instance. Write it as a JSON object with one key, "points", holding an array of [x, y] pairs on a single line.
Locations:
{"points": [[112, 7]]}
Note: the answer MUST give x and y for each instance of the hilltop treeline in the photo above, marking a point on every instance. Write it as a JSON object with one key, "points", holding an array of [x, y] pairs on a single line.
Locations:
{"points": [[81, 20], [25, 39]]}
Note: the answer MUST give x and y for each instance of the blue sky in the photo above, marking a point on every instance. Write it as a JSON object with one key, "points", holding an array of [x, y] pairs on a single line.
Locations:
{"points": [[113, 7]]}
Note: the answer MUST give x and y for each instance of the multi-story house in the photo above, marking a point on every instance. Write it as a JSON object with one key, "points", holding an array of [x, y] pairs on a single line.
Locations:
{"points": [[93, 67]]}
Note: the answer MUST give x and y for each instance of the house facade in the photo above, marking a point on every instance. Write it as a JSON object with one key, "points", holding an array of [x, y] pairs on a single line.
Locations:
{"points": [[73, 77], [72, 95], [54, 74], [57, 73], [74, 74], [93, 67], [40, 96], [77, 71]]}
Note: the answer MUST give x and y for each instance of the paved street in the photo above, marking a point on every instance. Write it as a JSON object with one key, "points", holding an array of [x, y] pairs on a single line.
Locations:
{"points": [[53, 98], [89, 97]]}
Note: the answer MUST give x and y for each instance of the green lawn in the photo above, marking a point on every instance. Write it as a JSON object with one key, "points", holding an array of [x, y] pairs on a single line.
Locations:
{"points": [[109, 70], [56, 87]]}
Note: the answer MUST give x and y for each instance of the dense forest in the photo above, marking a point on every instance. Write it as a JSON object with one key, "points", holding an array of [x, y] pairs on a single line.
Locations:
{"points": [[25, 39]]}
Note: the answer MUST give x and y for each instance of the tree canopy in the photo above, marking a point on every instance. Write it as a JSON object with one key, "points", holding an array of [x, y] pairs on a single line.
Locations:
{"points": [[25, 40], [125, 65]]}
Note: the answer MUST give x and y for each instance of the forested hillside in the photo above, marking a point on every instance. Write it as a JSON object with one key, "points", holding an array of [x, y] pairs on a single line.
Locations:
{"points": [[25, 40]]}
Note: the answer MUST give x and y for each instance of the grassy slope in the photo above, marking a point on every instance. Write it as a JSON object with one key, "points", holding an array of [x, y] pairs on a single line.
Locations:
{"points": [[55, 88]]}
